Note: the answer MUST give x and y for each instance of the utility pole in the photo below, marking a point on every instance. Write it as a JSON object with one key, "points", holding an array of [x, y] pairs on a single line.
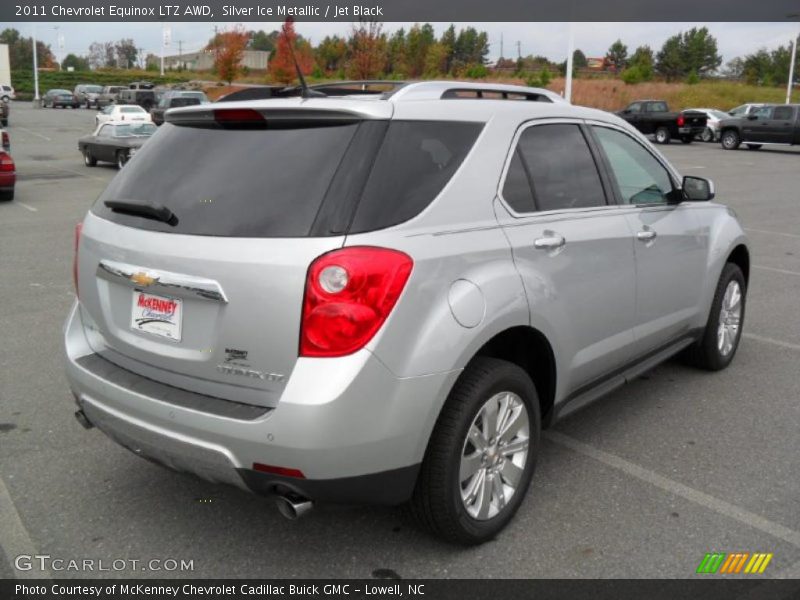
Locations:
{"points": [[519, 50], [501, 45]]}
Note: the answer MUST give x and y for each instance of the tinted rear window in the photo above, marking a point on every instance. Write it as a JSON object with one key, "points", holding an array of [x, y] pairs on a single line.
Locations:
{"points": [[415, 162], [231, 182]]}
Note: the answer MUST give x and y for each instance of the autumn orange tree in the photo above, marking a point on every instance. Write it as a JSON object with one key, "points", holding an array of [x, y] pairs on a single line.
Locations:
{"points": [[281, 66], [228, 48], [368, 51]]}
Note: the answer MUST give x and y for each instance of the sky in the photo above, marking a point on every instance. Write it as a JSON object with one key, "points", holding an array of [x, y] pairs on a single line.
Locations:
{"points": [[547, 39]]}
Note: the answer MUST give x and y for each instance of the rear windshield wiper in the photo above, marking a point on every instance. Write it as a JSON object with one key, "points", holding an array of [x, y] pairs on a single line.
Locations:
{"points": [[157, 212]]}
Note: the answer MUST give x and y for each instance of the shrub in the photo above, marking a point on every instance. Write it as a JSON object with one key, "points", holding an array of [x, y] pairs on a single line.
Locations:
{"points": [[477, 72], [693, 78]]}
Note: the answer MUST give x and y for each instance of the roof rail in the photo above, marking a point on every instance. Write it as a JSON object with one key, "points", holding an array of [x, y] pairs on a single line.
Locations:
{"points": [[358, 87], [444, 90]]}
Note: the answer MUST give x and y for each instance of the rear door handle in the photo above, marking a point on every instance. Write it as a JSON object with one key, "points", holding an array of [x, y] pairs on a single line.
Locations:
{"points": [[550, 241], [646, 235]]}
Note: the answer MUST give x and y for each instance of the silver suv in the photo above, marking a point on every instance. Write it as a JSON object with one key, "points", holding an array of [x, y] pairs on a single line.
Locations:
{"points": [[385, 299]]}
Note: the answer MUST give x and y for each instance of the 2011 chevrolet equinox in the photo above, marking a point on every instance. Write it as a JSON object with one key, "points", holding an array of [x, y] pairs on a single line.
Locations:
{"points": [[384, 299]]}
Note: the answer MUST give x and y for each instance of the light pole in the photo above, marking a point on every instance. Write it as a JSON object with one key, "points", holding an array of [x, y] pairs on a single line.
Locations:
{"points": [[59, 46], [570, 52], [792, 61], [35, 66]]}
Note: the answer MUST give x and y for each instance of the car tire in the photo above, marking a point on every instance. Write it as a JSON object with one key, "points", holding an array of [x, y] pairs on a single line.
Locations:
{"points": [[4, 122], [716, 348], [7, 195], [707, 136], [662, 135], [122, 159], [730, 140], [5, 99], [686, 139], [440, 502], [754, 146], [88, 159]]}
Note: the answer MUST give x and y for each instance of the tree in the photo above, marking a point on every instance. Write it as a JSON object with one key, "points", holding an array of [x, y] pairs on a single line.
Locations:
{"points": [[396, 63], [669, 61], [579, 61], [448, 42], [228, 49], [102, 54], [77, 63], [700, 52], [281, 66], [367, 51], [152, 62], [261, 40], [331, 53], [20, 51], [640, 66], [126, 53], [693, 51], [643, 57], [617, 56], [418, 40]]}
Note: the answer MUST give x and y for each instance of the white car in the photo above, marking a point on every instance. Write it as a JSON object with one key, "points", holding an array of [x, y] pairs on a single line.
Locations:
{"points": [[122, 112], [715, 117], [7, 93]]}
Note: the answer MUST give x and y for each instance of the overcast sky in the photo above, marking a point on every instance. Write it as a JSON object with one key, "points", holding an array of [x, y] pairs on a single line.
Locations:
{"points": [[548, 39]]}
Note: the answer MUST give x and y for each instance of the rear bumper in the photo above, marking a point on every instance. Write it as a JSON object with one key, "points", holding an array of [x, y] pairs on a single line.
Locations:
{"points": [[355, 431], [691, 130]]}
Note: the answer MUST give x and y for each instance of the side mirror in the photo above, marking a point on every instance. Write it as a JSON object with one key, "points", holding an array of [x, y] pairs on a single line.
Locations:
{"points": [[627, 111], [698, 189]]}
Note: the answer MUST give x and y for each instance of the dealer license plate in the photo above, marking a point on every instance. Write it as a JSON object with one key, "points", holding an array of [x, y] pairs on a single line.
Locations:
{"points": [[157, 315]]}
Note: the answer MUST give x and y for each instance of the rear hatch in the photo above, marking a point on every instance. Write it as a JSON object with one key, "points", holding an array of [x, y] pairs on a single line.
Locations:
{"points": [[694, 118], [192, 263]]}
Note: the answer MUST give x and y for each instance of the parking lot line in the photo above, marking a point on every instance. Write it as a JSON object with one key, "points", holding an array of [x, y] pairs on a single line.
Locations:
{"points": [[705, 500], [784, 271], [791, 235], [23, 205], [14, 538], [773, 341], [44, 137]]}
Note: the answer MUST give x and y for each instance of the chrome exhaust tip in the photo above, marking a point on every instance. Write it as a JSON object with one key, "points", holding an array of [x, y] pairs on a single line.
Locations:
{"points": [[293, 509]]}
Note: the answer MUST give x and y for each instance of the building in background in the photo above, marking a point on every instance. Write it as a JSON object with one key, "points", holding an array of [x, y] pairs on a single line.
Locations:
{"points": [[5, 66], [255, 60]]}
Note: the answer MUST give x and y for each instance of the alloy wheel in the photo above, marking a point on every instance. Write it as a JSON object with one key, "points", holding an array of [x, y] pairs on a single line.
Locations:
{"points": [[730, 318], [494, 455]]}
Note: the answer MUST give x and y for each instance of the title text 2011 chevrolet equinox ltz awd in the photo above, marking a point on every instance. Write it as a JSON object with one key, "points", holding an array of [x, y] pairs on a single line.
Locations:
{"points": [[385, 299]]}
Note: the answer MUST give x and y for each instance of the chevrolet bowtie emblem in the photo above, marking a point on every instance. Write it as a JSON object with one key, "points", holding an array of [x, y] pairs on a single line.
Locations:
{"points": [[143, 279]]}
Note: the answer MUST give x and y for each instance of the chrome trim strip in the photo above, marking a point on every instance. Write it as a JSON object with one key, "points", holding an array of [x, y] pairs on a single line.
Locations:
{"points": [[163, 281]]}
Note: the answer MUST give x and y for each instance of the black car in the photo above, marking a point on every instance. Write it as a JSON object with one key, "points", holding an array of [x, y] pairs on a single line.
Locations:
{"points": [[769, 124], [114, 142], [62, 98], [654, 116], [174, 99]]}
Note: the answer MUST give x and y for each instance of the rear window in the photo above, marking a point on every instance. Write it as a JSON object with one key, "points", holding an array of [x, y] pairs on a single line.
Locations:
{"points": [[231, 182], [296, 180]]}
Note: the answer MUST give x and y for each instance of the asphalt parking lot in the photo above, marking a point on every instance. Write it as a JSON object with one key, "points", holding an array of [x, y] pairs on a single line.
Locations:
{"points": [[641, 484]]}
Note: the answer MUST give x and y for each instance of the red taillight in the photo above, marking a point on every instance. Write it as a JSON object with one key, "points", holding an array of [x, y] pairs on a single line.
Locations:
{"points": [[6, 140], [6, 162], [349, 294], [681, 120], [297, 473], [78, 229], [228, 115]]}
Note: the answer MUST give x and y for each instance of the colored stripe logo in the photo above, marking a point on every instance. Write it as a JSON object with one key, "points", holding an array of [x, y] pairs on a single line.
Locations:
{"points": [[736, 562]]}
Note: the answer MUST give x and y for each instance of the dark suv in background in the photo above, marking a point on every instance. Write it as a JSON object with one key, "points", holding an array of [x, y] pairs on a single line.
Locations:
{"points": [[174, 99]]}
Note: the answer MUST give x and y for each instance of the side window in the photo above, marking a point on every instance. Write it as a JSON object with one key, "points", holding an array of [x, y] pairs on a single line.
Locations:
{"points": [[640, 177], [635, 108], [561, 169], [105, 131], [517, 187], [763, 112], [783, 113]]}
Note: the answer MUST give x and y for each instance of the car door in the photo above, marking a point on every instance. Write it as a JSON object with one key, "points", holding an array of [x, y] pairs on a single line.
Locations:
{"points": [[671, 244], [573, 250], [633, 114], [780, 127], [104, 149], [755, 126]]}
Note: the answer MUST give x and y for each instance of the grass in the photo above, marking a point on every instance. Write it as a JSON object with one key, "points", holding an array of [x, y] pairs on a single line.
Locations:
{"points": [[613, 94]]}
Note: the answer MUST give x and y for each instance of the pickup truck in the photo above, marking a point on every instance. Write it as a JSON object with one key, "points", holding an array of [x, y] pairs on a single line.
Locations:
{"points": [[108, 95], [769, 124], [654, 117], [139, 92]]}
